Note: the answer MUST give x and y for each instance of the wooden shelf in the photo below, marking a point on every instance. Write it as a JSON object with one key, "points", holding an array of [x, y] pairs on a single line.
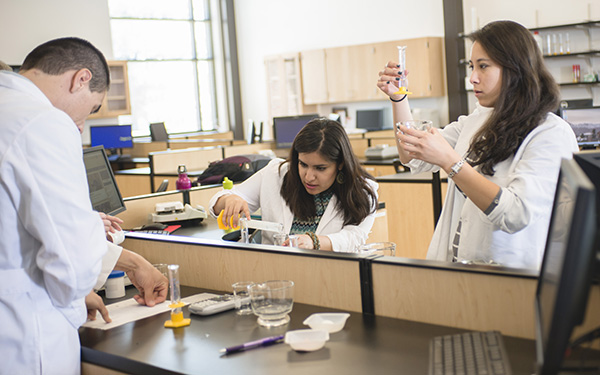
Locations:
{"points": [[588, 24], [116, 102], [574, 54]]}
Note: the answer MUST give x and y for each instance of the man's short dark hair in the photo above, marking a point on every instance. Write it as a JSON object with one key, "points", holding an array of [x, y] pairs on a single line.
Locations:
{"points": [[61, 55]]}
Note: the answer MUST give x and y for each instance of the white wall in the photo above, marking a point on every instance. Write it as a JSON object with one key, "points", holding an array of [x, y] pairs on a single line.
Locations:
{"points": [[267, 27], [270, 27], [28, 23]]}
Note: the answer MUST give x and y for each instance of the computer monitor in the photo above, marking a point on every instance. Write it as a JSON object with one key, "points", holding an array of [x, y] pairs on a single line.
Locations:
{"points": [[158, 132], [370, 119], [568, 263], [112, 137], [286, 128], [104, 192], [585, 123]]}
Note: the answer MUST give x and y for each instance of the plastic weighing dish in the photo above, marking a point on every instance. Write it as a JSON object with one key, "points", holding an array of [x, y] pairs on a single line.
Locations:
{"points": [[329, 322], [306, 340]]}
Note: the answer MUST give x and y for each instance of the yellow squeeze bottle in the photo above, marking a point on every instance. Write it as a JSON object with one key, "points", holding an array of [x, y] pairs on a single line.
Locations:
{"points": [[222, 226], [227, 185]]}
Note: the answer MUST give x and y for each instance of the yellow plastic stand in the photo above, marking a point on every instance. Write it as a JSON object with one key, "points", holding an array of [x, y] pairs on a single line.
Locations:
{"points": [[403, 91], [177, 319]]}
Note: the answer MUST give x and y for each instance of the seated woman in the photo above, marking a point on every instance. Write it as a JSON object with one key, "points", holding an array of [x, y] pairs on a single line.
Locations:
{"points": [[502, 160], [321, 193]]}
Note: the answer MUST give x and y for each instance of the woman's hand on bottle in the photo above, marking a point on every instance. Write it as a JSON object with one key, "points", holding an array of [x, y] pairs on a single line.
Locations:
{"points": [[234, 207], [389, 79]]}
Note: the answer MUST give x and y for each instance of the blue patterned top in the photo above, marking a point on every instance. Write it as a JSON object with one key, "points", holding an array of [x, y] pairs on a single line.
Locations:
{"points": [[310, 225]]}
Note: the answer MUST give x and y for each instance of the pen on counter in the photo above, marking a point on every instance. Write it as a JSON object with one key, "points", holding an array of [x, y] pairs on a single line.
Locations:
{"points": [[252, 344]]}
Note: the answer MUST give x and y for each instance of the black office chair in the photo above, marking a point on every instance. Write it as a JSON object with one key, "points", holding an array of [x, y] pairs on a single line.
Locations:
{"points": [[163, 186], [158, 132]]}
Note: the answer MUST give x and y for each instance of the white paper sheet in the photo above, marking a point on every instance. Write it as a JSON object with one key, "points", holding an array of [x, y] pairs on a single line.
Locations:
{"points": [[129, 311]]}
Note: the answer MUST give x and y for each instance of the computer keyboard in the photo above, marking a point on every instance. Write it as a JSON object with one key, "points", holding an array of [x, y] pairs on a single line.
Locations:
{"points": [[153, 231], [469, 353]]}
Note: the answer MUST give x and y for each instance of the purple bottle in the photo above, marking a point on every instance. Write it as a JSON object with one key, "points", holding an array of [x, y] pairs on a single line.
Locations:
{"points": [[183, 182]]}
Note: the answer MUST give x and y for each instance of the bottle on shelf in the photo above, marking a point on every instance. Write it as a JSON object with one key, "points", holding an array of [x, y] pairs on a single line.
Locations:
{"points": [[567, 44], [576, 73], [538, 40], [548, 44], [183, 182], [561, 49]]}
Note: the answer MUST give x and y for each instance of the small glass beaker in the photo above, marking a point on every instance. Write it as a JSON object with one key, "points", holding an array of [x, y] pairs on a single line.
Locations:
{"points": [[279, 239], [423, 125], [293, 240], [241, 297], [272, 301]]}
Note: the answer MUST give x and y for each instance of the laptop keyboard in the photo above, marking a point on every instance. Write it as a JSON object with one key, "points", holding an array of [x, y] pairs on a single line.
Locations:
{"points": [[469, 353]]}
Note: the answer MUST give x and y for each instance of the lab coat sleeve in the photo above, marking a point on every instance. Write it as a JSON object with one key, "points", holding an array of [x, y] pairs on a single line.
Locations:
{"points": [[108, 263], [352, 236], [250, 189], [48, 185], [529, 190]]}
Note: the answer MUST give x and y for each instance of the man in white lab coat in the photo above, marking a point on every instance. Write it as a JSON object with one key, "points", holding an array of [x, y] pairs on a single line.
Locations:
{"points": [[51, 241]]}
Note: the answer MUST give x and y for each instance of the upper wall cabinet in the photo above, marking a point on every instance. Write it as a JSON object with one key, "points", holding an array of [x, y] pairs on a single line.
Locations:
{"points": [[349, 74], [284, 85], [314, 79], [116, 102]]}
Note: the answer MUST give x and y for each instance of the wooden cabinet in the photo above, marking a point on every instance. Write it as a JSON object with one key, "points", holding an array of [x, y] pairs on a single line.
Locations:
{"points": [[284, 86], [349, 74], [116, 102], [314, 76]]}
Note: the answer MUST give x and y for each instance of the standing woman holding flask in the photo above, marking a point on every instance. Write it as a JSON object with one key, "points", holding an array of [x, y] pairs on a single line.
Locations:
{"points": [[502, 160]]}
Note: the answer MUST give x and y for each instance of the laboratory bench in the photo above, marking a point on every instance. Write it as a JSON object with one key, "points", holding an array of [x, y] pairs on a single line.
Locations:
{"points": [[367, 344]]}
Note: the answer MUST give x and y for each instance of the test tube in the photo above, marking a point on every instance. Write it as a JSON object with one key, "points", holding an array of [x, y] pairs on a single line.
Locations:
{"points": [[176, 305], [174, 283], [402, 84]]}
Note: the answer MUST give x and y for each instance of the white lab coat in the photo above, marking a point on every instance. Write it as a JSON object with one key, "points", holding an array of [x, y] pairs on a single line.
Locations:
{"points": [[262, 190], [514, 233], [108, 263], [51, 241]]}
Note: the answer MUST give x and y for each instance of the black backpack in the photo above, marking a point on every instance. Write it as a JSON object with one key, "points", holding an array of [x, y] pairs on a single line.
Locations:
{"points": [[236, 168]]}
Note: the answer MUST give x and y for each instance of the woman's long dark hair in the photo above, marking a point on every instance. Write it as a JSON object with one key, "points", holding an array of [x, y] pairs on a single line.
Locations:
{"points": [[356, 198], [527, 94]]}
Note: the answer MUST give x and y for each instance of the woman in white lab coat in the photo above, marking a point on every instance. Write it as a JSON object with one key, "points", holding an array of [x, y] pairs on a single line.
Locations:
{"points": [[321, 193], [502, 160]]}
